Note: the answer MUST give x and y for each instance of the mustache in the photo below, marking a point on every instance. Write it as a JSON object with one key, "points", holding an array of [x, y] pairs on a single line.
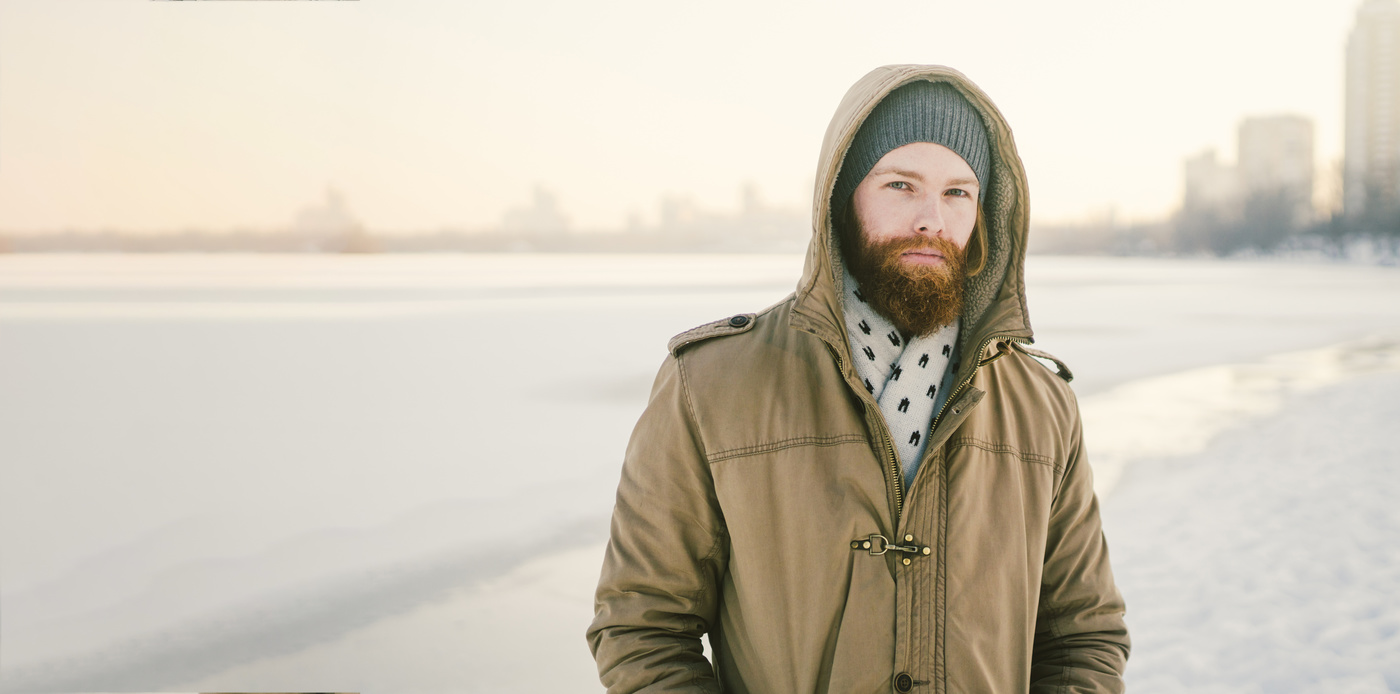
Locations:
{"points": [[935, 244]]}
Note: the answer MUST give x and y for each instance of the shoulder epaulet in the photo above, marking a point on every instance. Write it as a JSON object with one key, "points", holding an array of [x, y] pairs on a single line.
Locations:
{"points": [[1061, 370], [732, 325]]}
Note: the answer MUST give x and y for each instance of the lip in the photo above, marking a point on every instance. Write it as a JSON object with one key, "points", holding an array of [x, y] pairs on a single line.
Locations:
{"points": [[922, 257]]}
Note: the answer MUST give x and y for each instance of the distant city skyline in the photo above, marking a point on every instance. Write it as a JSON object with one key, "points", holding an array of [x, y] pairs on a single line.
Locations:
{"points": [[433, 114], [543, 214]]}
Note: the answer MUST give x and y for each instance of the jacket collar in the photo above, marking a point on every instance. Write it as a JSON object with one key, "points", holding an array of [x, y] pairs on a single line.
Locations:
{"points": [[995, 298]]}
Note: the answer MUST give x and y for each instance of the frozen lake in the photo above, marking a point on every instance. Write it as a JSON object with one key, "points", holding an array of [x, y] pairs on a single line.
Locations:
{"points": [[393, 473]]}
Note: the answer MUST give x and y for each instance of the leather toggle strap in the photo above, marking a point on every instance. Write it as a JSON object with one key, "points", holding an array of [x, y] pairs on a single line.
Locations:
{"points": [[879, 544], [1003, 349]]}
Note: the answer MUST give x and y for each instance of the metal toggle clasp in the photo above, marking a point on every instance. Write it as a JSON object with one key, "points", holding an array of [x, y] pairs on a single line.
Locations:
{"points": [[879, 544]]}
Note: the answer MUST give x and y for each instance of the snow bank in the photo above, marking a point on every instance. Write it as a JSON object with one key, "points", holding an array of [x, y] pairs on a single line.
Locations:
{"points": [[1269, 561]]}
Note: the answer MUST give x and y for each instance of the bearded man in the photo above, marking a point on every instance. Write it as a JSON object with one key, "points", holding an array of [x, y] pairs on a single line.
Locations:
{"points": [[871, 485]]}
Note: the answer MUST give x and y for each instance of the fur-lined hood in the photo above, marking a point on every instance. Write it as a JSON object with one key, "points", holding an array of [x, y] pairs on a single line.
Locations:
{"points": [[995, 299]]}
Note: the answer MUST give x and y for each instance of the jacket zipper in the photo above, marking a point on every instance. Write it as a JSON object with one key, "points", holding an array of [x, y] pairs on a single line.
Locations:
{"points": [[895, 477], [892, 461], [895, 474], [899, 490], [958, 391]]}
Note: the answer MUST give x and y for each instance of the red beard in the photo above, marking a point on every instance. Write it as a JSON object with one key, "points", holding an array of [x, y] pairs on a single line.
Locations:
{"points": [[918, 299]]}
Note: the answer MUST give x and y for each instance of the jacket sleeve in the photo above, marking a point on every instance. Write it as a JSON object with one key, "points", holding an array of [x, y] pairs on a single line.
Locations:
{"points": [[1081, 641], [668, 550]]}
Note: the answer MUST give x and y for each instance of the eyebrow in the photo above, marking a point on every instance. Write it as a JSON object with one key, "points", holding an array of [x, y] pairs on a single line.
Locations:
{"points": [[918, 177], [898, 172]]}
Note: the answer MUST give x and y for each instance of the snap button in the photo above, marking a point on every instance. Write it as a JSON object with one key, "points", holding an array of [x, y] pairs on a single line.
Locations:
{"points": [[903, 682], [739, 321]]}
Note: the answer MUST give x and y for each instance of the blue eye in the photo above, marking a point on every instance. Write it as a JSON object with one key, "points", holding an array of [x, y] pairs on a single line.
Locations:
{"points": [[958, 192], [898, 185]]}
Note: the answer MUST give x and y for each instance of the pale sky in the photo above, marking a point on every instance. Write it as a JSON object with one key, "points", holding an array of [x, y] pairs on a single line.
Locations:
{"points": [[427, 114]]}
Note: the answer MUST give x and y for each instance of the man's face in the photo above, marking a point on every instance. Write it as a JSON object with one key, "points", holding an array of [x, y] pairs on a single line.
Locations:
{"points": [[914, 214], [918, 191]]}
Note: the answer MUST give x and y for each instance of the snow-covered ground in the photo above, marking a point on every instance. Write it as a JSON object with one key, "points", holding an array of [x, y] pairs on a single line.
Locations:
{"points": [[1270, 561], [394, 473]]}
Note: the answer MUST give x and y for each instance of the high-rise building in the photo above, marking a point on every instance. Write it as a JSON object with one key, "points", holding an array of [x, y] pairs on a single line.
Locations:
{"points": [[1276, 166], [1259, 201], [542, 216], [1371, 173], [1212, 188]]}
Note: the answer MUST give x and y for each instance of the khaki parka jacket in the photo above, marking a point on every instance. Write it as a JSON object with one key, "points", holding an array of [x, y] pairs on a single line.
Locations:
{"points": [[761, 502]]}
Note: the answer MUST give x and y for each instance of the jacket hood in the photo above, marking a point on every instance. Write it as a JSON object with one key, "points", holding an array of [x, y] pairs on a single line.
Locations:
{"points": [[994, 299]]}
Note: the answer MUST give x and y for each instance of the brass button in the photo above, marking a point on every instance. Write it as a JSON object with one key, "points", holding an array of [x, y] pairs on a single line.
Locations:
{"points": [[927, 550], [865, 544], [908, 538], [906, 561]]}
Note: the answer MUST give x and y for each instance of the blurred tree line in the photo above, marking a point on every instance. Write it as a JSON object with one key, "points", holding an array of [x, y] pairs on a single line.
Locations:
{"points": [[1266, 224]]}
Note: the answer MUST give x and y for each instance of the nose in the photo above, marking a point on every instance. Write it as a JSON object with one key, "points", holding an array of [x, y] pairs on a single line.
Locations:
{"points": [[929, 219]]}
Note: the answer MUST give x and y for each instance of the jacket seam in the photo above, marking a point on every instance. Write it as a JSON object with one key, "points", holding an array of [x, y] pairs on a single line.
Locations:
{"points": [[777, 305], [689, 406], [1025, 456], [696, 672], [1075, 451], [794, 442], [1057, 633], [941, 579]]}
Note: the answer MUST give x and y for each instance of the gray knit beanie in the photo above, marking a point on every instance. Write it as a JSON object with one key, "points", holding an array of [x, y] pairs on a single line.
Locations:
{"points": [[917, 112]]}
